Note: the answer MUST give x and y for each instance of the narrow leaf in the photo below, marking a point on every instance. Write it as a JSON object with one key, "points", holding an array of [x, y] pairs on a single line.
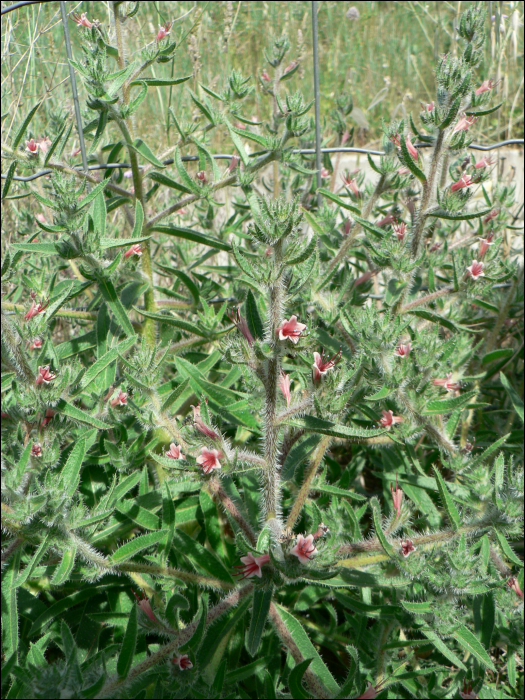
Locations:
{"points": [[260, 607], [127, 650], [446, 499]]}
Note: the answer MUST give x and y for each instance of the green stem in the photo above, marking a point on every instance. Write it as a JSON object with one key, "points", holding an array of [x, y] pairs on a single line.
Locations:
{"points": [[311, 471], [426, 195], [215, 487]]}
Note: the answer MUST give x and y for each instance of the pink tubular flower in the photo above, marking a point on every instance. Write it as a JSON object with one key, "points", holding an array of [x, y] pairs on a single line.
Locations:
{"points": [[251, 566], [369, 694], [34, 310], [265, 76], [388, 420], [351, 182], [485, 86], [321, 365], [464, 181], [447, 383], [36, 344], [41, 218], [467, 693], [400, 230], [347, 226], [44, 143], [182, 661], [345, 137], [395, 140], [44, 376], [289, 67], [242, 326], [365, 277], [325, 173], [304, 548], [75, 152], [407, 547], [403, 350], [209, 459], [120, 399], [491, 215], [428, 107], [240, 125], [411, 148], [234, 162], [387, 221], [284, 386], [36, 450], [163, 31], [134, 250], [32, 146], [174, 452], [321, 531], [200, 425], [81, 20], [291, 329], [201, 176], [514, 585], [435, 246], [403, 171], [397, 498], [145, 606], [476, 270], [48, 417], [464, 123], [484, 162], [485, 243]]}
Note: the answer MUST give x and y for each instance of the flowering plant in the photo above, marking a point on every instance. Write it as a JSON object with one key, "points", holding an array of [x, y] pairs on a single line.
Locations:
{"points": [[337, 447]]}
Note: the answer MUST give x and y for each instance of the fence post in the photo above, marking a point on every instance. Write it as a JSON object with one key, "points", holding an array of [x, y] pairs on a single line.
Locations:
{"points": [[317, 106]]}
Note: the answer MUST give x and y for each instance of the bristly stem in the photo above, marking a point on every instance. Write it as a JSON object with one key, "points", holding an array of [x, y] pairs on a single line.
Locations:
{"points": [[426, 195], [311, 471], [216, 488]]}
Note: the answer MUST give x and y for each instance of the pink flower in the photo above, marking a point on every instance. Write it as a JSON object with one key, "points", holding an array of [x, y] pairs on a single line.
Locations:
{"points": [[485, 86], [407, 546], [48, 417], [403, 350], [182, 661], [395, 140], [242, 326], [174, 452], [44, 143], [435, 246], [321, 531], [427, 107], [284, 386], [484, 162], [403, 171], [397, 498], [120, 399], [36, 344], [388, 420], [290, 67], [347, 227], [41, 218], [200, 425], [201, 176], [464, 123], [476, 270], [240, 125], [447, 383], [467, 693], [365, 277], [325, 173], [291, 329], [251, 566], [36, 450], [389, 219], [411, 148], [44, 376], [209, 459], [134, 250], [491, 215], [145, 606], [233, 164], [464, 181], [351, 182], [345, 137], [369, 694], [304, 548], [82, 21], [128, 173], [75, 152], [35, 310], [322, 366], [163, 31], [485, 243], [265, 77], [32, 146], [514, 585], [400, 230]]}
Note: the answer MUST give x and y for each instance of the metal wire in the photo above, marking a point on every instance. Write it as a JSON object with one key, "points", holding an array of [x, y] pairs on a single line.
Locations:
{"points": [[10, 8], [303, 151]]}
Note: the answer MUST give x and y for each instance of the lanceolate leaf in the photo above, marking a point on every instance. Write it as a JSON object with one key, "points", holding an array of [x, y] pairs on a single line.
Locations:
{"points": [[136, 545], [471, 643], [318, 425], [446, 498], [260, 607], [127, 650]]}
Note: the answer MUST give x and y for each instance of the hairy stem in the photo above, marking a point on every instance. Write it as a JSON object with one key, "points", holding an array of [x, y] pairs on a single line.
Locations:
{"points": [[311, 471], [215, 487], [426, 195]]}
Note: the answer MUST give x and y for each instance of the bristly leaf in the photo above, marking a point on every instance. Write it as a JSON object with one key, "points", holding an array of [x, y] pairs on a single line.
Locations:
{"points": [[127, 650], [446, 499], [260, 608], [253, 318]]}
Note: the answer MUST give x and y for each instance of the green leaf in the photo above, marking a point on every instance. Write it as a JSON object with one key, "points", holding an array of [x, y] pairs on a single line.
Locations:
{"points": [[471, 643], [298, 454], [253, 319], [483, 456], [196, 638], [378, 529], [161, 82], [260, 608], [513, 395], [168, 182], [497, 355], [456, 216], [136, 545], [78, 415], [507, 549], [373, 165], [35, 559], [410, 163], [92, 195], [64, 569], [191, 235], [139, 219], [303, 254], [9, 179], [98, 214], [237, 143], [451, 114], [483, 112], [447, 405], [146, 152], [109, 294], [308, 650], [36, 248], [378, 232], [380, 395], [70, 473], [338, 200], [424, 608], [446, 499], [143, 517], [443, 649], [295, 680], [106, 243], [111, 356], [127, 650], [189, 283], [22, 129], [120, 78], [203, 108], [336, 491], [10, 605], [175, 394], [172, 321], [200, 557], [488, 618], [313, 424], [434, 318], [247, 134]]}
